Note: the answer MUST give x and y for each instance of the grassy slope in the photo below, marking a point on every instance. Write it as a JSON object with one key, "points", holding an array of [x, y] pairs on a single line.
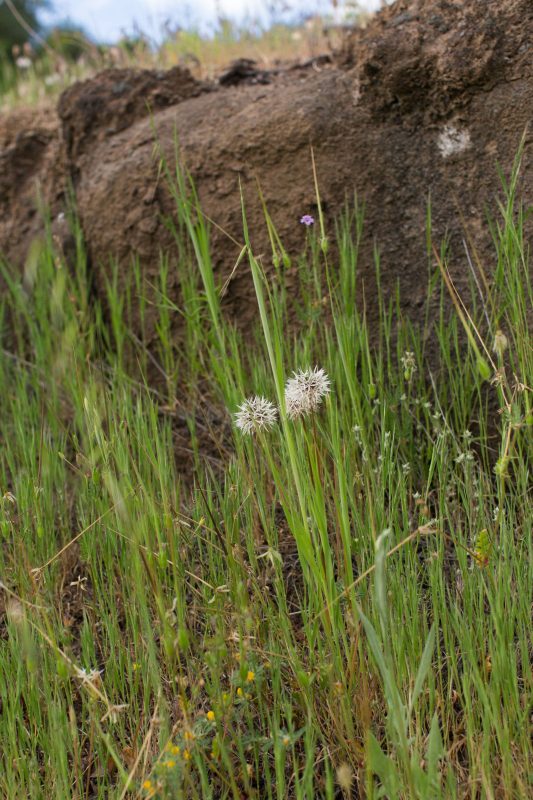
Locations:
{"points": [[41, 82], [250, 636]]}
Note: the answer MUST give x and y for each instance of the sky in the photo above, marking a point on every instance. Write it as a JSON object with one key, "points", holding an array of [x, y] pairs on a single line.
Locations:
{"points": [[107, 20]]}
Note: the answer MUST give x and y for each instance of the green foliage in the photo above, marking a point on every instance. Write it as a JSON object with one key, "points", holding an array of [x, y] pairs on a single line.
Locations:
{"points": [[69, 43], [12, 30], [191, 612]]}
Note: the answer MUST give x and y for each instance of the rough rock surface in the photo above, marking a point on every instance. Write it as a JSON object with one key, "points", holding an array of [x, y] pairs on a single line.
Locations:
{"points": [[31, 174], [424, 102]]}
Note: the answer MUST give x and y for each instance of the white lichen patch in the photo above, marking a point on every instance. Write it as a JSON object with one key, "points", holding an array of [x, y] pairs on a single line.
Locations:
{"points": [[453, 140]]}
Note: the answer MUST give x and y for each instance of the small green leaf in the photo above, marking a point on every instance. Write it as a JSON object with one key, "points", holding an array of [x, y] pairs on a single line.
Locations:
{"points": [[383, 766], [483, 368], [435, 749], [423, 668], [394, 702], [381, 581], [375, 646]]}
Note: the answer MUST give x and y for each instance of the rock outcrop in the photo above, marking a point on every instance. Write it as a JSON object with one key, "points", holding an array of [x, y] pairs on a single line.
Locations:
{"points": [[424, 103]]}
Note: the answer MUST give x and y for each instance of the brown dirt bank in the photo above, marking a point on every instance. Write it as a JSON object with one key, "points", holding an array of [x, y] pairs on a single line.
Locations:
{"points": [[426, 101]]}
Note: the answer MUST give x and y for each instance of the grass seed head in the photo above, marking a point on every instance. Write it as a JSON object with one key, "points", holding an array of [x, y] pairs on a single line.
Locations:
{"points": [[500, 343], [345, 777]]}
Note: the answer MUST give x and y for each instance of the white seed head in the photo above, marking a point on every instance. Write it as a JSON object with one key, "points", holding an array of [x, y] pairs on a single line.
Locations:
{"points": [[255, 414], [305, 391], [91, 676]]}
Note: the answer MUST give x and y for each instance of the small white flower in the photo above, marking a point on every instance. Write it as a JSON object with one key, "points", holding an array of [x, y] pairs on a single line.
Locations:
{"points": [[408, 360], [23, 62], [305, 391], [409, 364], [255, 414], [53, 79], [91, 676]]}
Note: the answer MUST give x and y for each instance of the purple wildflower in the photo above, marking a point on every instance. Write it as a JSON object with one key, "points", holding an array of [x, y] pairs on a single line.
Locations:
{"points": [[308, 220]]}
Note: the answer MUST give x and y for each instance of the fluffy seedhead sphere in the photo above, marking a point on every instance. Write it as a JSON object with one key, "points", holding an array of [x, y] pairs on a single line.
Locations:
{"points": [[256, 414], [305, 391]]}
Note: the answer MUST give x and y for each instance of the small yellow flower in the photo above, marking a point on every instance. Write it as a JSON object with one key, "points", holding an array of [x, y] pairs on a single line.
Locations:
{"points": [[169, 764], [250, 675], [189, 736], [175, 750], [135, 666], [186, 755], [147, 785], [239, 692], [210, 716]]}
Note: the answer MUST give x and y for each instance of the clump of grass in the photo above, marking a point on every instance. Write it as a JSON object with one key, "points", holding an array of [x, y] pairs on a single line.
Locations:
{"points": [[339, 602]]}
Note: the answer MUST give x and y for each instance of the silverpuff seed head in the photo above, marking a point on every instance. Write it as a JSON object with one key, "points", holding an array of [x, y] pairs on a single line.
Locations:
{"points": [[305, 391], [256, 414]]}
